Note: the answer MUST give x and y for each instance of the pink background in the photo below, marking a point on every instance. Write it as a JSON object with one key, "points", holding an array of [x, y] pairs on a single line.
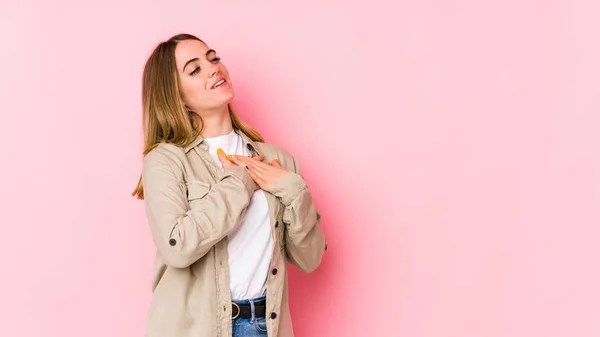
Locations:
{"points": [[452, 147]]}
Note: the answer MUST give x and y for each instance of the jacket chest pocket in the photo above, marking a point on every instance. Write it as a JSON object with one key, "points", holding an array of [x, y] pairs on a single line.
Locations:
{"points": [[196, 191]]}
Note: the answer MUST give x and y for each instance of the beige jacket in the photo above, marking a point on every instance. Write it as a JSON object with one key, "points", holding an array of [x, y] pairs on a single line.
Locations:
{"points": [[192, 206]]}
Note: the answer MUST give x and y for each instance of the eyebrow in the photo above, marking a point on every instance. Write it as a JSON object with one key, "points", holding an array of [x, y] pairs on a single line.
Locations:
{"points": [[196, 59]]}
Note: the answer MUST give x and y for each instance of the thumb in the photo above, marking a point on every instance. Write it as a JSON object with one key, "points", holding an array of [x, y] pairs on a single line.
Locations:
{"points": [[223, 158], [275, 163]]}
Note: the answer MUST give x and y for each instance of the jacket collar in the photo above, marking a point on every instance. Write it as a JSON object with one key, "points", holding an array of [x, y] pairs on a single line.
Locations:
{"points": [[199, 140], [251, 145], [248, 143]]}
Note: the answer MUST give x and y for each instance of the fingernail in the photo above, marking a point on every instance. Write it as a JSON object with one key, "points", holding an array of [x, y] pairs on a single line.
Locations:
{"points": [[247, 167], [229, 156], [219, 150]]}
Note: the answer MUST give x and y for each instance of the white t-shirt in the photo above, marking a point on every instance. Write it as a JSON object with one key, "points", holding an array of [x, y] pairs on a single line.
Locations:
{"points": [[251, 244]]}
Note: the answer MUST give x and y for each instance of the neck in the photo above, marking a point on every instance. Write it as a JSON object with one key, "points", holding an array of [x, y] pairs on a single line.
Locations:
{"points": [[215, 124]]}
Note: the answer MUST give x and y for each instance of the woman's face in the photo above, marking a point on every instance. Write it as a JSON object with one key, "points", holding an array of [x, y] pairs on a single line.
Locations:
{"points": [[203, 80]]}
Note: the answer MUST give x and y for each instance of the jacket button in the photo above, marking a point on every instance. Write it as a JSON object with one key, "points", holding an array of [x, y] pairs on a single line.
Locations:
{"points": [[172, 242], [274, 271], [273, 315], [276, 224]]}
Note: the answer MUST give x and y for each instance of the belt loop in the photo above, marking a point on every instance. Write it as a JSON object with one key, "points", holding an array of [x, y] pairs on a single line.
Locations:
{"points": [[252, 309]]}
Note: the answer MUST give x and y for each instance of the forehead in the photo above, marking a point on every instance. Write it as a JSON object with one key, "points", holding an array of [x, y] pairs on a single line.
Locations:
{"points": [[189, 49]]}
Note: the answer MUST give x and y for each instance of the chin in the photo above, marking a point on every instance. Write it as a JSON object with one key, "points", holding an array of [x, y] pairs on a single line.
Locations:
{"points": [[227, 97], [218, 104]]}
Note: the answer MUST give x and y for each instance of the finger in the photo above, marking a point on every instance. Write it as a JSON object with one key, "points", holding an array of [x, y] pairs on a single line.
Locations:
{"points": [[275, 163], [259, 180], [239, 160], [243, 160], [257, 158], [259, 166], [223, 158]]}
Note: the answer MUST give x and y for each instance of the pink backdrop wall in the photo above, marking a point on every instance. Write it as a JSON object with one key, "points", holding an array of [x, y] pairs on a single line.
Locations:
{"points": [[452, 147]]}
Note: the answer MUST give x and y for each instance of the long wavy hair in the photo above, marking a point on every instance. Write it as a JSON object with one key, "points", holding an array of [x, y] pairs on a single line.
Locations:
{"points": [[165, 117]]}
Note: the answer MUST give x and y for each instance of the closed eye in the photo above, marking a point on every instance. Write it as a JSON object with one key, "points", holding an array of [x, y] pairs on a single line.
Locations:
{"points": [[213, 60]]}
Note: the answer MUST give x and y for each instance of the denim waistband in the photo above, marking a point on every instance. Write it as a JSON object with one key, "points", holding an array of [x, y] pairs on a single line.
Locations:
{"points": [[258, 299]]}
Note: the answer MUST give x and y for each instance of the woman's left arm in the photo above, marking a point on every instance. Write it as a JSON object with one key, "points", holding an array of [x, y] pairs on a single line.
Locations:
{"points": [[305, 240]]}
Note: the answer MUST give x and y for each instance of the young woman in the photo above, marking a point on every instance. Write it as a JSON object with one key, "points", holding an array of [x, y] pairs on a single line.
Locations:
{"points": [[225, 209]]}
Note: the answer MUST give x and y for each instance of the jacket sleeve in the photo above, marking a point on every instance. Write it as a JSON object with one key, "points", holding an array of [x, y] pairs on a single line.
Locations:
{"points": [[185, 226], [304, 238]]}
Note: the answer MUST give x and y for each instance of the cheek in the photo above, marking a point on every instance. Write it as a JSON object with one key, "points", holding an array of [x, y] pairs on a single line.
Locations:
{"points": [[223, 70], [192, 91]]}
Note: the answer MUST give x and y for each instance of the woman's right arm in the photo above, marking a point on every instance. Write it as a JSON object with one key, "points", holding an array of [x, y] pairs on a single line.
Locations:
{"points": [[183, 236]]}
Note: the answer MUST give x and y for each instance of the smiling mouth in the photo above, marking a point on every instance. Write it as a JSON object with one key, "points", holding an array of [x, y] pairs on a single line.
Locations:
{"points": [[218, 84]]}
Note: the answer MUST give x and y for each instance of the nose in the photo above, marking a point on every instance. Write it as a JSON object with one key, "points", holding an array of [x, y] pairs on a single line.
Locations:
{"points": [[213, 70]]}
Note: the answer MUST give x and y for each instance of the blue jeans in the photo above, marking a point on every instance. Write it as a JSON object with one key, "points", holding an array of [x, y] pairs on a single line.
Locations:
{"points": [[249, 327]]}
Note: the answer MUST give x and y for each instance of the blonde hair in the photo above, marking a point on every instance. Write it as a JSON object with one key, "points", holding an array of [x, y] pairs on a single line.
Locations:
{"points": [[165, 117]]}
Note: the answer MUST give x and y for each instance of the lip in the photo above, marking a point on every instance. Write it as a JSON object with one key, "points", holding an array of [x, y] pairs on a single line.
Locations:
{"points": [[217, 81]]}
